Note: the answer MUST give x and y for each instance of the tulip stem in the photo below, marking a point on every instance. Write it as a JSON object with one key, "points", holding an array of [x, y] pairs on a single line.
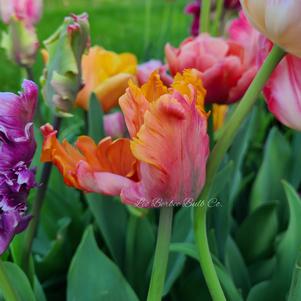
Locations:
{"points": [[161, 255], [6, 287], [217, 17], [36, 210], [205, 16], [29, 73], [216, 157]]}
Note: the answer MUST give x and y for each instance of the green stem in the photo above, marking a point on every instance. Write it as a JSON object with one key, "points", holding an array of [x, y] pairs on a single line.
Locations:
{"points": [[161, 255], [147, 28], [215, 160], [7, 289], [36, 211], [205, 16], [217, 18]]}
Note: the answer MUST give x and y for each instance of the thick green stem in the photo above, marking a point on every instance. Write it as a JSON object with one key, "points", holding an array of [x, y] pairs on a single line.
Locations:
{"points": [[217, 17], [205, 16], [7, 289], [161, 255], [216, 157], [147, 27], [36, 211]]}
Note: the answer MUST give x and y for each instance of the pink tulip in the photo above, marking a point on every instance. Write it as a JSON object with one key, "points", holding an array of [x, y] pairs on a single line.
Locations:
{"points": [[114, 125], [28, 11], [223, 64], [242, 32], [146, 69], [283, 90]]}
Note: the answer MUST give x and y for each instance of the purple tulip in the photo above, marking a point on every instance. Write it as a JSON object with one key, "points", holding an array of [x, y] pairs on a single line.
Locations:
{"points": [[17, 147]]}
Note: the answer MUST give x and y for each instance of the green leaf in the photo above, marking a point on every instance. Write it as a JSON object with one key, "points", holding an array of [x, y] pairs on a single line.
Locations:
{"points": [[111, 218], [140, 246], [95, 121], [237, 267], [276, 159], [18, 281], [182, 232], [228, 286], [255, 237], [287, 252], [93, 276], [56, 257]]}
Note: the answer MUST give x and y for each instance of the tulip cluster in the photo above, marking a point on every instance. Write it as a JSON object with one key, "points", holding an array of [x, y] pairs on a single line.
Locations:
{"points": [[164, 161], [17, 147]]}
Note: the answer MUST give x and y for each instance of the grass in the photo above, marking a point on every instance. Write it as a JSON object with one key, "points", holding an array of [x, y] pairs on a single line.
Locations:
{"points": [[115, 25]]}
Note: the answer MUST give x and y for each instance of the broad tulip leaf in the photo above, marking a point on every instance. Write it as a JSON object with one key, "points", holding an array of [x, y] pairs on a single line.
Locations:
{"points": [[276, 159], [111, 218], [95, 121], [182, 232], [93, 276], [19, 282], [228, 286], [287, 251], [237, 267], [140, 246], [255, 236]]}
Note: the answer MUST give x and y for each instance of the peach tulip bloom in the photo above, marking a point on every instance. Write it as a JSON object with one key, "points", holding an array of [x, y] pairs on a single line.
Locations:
{"points": [[106, 74], [164, 161], [225, 72], [278, 20]]}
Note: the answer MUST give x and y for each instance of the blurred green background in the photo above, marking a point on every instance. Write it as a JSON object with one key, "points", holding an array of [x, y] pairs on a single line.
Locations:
{"points": [[120, 26]]}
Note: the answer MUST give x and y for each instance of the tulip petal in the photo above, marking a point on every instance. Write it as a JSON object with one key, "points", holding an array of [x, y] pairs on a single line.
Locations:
{"points": [[172, 168], [133, 105], [283, 92]]}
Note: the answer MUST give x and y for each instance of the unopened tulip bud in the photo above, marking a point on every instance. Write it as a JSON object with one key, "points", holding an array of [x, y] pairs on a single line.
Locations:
{"points": [[62, 78], [114, 125]]}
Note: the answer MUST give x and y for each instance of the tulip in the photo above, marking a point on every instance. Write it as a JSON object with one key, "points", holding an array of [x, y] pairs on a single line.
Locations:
{"points": [[114, 125], [106, 74], [223, 66], [17, 147], [242, 32], [28, 11], [20, 43], [283, 90], [146, 69], [278, 20], [62, 78], [164, 161]]}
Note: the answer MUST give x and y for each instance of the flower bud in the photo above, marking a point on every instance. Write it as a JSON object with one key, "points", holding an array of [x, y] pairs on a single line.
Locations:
{"points": [[114, 125], [62, 78]]}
